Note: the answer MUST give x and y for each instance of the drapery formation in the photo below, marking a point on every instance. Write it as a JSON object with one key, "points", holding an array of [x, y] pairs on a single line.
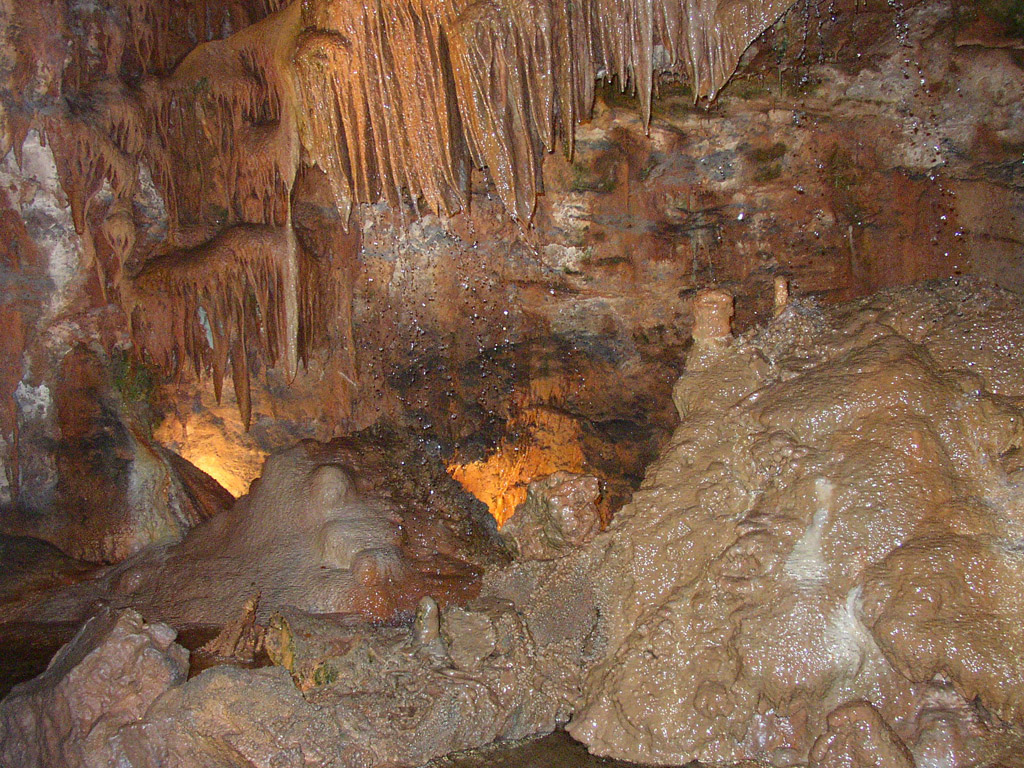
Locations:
{"points": [[409, 95]]}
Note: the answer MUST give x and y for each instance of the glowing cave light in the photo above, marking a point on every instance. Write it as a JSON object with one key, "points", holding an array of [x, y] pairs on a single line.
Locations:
{"points": [[548, 442]]}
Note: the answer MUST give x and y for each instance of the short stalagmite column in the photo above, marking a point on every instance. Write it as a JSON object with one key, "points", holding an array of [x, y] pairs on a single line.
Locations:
{"points": [[712, 315], [781, 295]]}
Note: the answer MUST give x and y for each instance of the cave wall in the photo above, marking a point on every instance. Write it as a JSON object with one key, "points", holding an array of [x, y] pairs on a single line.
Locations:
{"points": [[858, 146], [817, 163]]}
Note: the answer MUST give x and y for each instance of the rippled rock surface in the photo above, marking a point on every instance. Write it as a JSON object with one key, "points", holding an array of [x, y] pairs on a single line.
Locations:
{"points": [[837, 519]]}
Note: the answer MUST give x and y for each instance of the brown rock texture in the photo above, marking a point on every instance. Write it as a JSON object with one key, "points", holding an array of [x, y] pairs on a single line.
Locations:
{"points": [[858, 737], [105, 678], [831, 523], [343, 693], [560, 514]]}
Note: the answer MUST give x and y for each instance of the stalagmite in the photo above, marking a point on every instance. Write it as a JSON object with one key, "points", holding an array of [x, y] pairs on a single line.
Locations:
{"points": [[712, 316], [781, 295]]}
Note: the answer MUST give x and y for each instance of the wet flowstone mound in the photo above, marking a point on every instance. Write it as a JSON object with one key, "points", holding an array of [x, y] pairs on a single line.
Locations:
{"points": [[837, 519]]}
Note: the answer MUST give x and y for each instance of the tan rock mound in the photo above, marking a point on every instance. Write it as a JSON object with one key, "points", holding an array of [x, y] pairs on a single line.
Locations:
{"points": [[312, 534], [105, 678], [835, 520]]}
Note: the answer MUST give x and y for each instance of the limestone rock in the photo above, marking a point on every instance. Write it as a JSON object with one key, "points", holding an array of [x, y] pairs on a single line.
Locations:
{"points": [[305, 536], [829, 524], [329, 528], [112, 491], [239, 640], [427, 624], [559, 514], [945, 603], [106, 677], [228, 717], [315, 533], [858, 737], [345, 693]]}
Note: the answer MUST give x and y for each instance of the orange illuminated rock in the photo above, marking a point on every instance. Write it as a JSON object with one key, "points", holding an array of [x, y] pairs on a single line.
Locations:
{"points": [[541, 441]]}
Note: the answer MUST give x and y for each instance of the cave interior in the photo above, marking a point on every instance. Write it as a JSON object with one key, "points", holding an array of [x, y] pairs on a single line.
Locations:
{"points": [[608, 382]]}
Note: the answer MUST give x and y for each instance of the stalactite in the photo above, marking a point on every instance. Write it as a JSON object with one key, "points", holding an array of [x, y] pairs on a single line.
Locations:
{"points": [[401, 95], [98, 136], [206, 305], [389, 98], [218, 142], [153, 23]]}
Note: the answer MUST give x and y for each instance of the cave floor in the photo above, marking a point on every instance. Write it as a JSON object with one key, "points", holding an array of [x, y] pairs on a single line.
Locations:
{"points": [[26, 648], [556, 750]]}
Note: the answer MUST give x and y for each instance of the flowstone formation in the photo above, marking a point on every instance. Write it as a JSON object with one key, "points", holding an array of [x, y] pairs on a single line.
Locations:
{"points": [[316, 532], [836, 520], [365, 525], [559, 514]]}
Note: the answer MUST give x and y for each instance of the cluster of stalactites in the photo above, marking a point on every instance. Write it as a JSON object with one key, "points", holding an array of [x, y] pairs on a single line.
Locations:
{"points": [[218, 142], [387, 97], [224, 146], [409, 94], [214, 305], [153, 24]]}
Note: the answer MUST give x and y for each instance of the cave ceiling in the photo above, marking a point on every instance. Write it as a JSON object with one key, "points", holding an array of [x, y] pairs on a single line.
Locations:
{"points": [[218, 110]]}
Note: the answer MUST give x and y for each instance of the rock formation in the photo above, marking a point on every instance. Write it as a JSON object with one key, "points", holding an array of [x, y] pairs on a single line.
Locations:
{"points": [[834, 516], [387, 101], [560, 513], [328, 528], [821, 567], [105, 678], [341, 693], [356, 213], [305, 536], [103, 489]]}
